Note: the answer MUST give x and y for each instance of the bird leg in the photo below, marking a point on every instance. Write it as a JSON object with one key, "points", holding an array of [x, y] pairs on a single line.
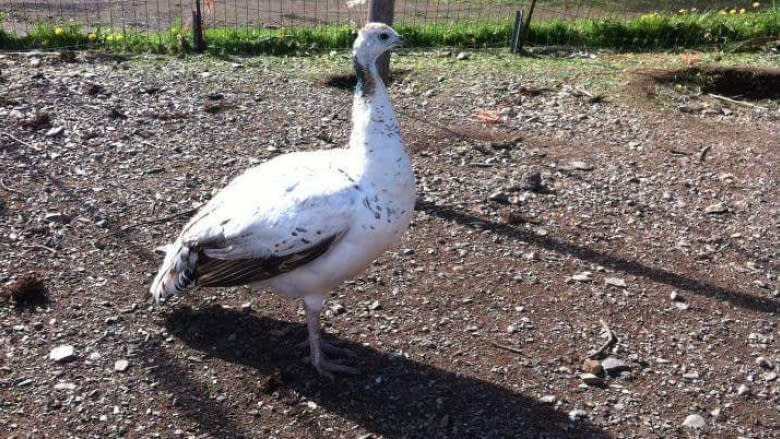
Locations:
{"points": [[325, 367]]}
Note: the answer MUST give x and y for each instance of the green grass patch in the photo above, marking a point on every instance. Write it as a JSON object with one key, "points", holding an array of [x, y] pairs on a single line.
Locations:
{"points": [[641, 33]]}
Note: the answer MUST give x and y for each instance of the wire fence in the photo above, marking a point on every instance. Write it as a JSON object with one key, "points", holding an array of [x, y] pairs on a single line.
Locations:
{"points": [[149, 16]]}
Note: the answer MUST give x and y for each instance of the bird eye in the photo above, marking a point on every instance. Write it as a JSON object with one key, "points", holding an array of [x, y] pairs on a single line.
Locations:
{"points": [[384, 36]]}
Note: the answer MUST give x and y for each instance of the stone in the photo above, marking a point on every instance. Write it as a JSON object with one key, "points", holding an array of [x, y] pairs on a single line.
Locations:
{"points": [[62, 353], [743, 390], [764, 363], [548, 399], [769, 376], [577, 414], [585, 276], [591, 379], [694, 421], [581, 166], [463, 56], [692, 375], [615, 282], [592, 366], [716, 208], [64, 386], [121, 365], [375, 305], [55, 131], [613, 365]]}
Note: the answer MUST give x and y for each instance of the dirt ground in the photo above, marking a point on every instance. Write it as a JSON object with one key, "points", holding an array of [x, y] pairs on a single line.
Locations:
{"points": [[554, 195]]}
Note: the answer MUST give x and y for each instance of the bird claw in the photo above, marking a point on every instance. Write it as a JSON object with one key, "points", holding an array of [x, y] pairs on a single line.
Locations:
{"points": [[327, 367], [329, 348]]}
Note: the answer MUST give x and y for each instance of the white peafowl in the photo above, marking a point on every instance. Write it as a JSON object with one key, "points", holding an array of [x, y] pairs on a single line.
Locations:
{"points": [[304, 222]]}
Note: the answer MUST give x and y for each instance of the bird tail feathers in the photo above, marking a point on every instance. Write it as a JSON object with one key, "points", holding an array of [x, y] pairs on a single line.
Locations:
{"points": [[177, 271]]}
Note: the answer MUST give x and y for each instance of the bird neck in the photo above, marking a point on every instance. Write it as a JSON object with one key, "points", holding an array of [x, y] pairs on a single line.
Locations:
{"points": [[374, 126]]}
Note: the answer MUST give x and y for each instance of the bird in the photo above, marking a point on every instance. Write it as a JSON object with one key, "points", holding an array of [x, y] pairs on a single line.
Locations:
{"points": [[303, 223]]}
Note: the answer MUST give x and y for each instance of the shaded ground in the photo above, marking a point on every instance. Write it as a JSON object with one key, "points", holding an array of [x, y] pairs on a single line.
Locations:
{"points": [[474, 327]]}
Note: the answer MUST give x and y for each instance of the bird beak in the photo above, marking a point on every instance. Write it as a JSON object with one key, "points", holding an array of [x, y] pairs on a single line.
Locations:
{"points": [[401, 42]]}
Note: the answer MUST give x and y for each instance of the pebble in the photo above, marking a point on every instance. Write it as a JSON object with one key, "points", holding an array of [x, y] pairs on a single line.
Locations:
{"points": [[548, 399], [769, 376], [64, 386], [682, 306], [694, 421], [581, 166], [763, 362], [693, 375], [591, 379], [675, 296], [55, 131], [121, 365], [62, 353], [577, 414], [612, 364], [743, 390], [615, 282], [592, 366], [463, 56], [499, 196], [585, 276], [716, 208], [375, 305]]}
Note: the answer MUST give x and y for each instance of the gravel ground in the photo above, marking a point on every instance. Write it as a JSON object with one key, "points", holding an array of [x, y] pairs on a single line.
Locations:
{"points": [[562, 209]]}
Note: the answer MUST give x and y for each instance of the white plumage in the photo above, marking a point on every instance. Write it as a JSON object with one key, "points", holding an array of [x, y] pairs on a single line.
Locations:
{"points": [[302, 223]]}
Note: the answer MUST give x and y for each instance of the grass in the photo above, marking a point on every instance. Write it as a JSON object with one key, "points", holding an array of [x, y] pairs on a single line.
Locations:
{"points": [[641, 33]]}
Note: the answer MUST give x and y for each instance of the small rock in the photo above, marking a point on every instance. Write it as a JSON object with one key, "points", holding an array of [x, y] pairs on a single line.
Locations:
{"points": [[764, 363], [615, 282], [581, 166], [64, 386], [591, 379], [585, 276], [375, 305], [62, 353], [57, 217], [592, 366], [743, 390], [613, 365], [511, 329], [692, 375], [577, 414], [548, 399], [716, 412], [675, 296], [769, 376], [716, 208], [463, 56], [499, 197], [121, 365], [682, 306], [533, 182], [694, 421], [55, 131]]}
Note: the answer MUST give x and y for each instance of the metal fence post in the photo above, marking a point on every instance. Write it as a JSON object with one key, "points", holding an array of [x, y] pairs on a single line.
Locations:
{"points": [[381, 11]]}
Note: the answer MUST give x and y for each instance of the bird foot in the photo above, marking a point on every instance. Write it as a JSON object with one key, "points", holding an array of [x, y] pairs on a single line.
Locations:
{"points": [[329, 348], [327, 367]]}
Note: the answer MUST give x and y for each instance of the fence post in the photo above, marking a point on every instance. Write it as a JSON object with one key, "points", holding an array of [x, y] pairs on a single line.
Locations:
{"points": [[515, 46], [381, 11], [524, 33], [197, 28]]}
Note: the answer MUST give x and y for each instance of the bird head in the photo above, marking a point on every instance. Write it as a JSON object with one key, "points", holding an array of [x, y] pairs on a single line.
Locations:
{"points": [[374, 40]]}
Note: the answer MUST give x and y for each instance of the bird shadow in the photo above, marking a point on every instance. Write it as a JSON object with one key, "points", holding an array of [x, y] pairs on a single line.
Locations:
{"points": [[700, 287], [394, 396]]}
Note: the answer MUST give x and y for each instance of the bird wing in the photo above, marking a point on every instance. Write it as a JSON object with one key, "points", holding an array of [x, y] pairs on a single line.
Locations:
{"points": [[270, 220]]}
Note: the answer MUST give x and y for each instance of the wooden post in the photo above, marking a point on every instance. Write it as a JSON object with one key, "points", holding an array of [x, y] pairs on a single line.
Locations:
{"points": [[515, 45], [381, 11], [197, 28], [524, 33]]}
